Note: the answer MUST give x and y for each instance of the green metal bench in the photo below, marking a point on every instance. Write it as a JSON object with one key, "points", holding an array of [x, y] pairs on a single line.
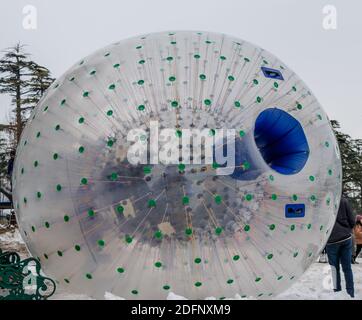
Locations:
{"points": [[21, 279]]}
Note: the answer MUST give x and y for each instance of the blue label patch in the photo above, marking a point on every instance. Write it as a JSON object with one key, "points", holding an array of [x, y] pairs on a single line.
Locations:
{"points": [[295, 210], [272, 73]]}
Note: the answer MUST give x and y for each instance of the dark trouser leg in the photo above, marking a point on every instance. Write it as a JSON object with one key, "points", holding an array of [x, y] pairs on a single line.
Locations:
{"points": [[358, 250], [346, 253], [333, 260]]}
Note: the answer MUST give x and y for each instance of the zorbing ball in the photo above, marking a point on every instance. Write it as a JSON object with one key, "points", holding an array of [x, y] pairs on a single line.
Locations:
{"points": [[99, 220]]}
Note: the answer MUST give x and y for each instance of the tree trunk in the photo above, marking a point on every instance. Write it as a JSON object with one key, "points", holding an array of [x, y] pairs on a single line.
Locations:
{"points": [[19, 125]]}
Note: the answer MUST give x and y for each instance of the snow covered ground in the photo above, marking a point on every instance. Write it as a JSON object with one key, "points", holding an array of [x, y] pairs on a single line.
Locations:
{"points": [[315, 284]]}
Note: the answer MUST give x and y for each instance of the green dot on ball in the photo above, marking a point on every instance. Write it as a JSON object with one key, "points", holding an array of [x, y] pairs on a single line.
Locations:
{"points": [[158, 234], [151, 203], [218, 199], [188, 231], [120, 209], [185, 200], [174, 103], [197, 260]]}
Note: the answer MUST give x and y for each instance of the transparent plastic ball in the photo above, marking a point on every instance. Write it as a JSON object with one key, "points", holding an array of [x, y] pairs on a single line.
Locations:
{"points": [[99, 222]]}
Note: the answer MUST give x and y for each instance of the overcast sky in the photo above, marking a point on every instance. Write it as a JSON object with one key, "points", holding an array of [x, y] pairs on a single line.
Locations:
{"points": [[330, 62]]}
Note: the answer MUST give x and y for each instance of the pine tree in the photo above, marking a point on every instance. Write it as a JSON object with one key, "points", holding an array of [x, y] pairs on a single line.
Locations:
{"points": [[38, 84], [24, 81], [351, 158]]}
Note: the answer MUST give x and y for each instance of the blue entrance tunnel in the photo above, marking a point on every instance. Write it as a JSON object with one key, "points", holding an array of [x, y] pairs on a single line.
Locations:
{"points": [[278, 142], [281, 141]]}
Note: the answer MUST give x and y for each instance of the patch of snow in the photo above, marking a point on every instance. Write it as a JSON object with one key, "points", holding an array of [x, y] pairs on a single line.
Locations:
{"points": [[316, 284], [111, 296], [69, 296], [12, 236], [172, 296]]}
